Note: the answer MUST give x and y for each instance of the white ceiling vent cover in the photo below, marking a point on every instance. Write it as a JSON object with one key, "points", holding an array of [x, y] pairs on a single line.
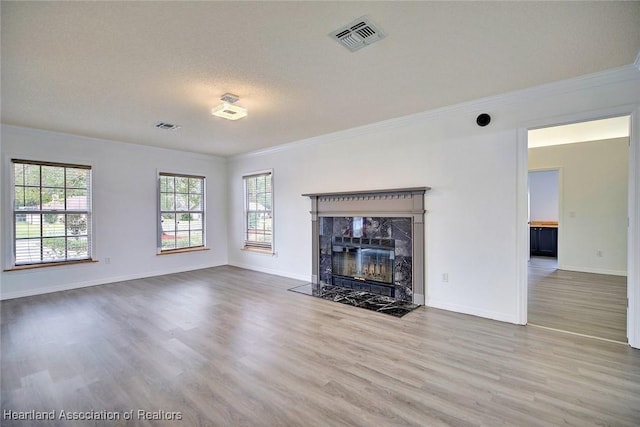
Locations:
{"points": [[358, 34]]}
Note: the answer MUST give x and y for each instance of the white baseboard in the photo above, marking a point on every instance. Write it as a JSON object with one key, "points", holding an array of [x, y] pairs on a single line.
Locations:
{"points": [[97, 282], [493, 315], [286, 274], [592, 270]]}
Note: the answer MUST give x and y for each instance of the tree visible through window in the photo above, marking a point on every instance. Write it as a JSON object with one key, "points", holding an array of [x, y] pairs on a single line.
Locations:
{"points": [[258, 211], [181, 211], [51, 212]]}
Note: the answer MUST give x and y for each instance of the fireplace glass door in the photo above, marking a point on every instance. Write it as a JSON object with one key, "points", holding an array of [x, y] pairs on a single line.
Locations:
{"points": [[363, 259]]}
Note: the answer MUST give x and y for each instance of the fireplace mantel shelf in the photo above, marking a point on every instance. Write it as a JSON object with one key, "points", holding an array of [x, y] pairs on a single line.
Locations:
{"points": [[371, 192], [386, 202]]}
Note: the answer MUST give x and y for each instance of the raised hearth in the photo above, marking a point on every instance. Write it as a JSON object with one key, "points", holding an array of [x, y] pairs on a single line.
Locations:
{"points": [[370, 241]]}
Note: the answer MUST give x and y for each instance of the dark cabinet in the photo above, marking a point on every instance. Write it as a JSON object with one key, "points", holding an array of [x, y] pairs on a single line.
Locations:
{"points": [[544, 241]]}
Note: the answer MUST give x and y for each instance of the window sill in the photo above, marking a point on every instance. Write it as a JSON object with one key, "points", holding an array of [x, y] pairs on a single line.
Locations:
{"points": [[182, 251], [50, 264], [258, 250]]}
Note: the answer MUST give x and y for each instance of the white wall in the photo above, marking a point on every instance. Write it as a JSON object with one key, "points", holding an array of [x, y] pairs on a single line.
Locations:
{"points": [[543, 195], [593, 226], [472, 209], [125, 206]]}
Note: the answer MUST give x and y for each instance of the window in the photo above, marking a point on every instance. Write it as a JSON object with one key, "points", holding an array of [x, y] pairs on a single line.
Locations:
{"points": [[181, 212], [51, 212], [258, 207]]}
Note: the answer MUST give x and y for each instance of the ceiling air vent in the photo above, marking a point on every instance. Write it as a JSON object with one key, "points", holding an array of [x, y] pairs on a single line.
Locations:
{"points": [[358, 34], [167, 126]]}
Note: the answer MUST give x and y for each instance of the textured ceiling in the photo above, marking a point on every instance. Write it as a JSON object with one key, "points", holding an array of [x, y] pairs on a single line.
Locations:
{"points": [[113, 69]]}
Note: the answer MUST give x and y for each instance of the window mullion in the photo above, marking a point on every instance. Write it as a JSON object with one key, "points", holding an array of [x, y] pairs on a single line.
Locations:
{"points": [[41, 216]]}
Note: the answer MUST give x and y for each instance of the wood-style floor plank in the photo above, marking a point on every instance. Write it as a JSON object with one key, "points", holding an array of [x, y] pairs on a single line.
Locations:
{"points": [[583, 303], [230, 347]]}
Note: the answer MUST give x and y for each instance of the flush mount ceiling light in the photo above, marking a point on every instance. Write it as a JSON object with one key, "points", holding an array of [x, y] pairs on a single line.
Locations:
{"points": [[227, 110]]}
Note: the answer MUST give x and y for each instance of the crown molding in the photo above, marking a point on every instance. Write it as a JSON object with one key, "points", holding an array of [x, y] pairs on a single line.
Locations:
{"points": [[72, 136], [602, 78]]}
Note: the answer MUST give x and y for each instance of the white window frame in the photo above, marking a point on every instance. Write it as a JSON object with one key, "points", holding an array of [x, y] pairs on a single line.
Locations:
{"points": [[12, 261], [254, 245], [177, 211]]}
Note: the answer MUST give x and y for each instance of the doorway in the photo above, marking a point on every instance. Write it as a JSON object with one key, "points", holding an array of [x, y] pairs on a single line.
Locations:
{"points": [[544, 203], [582, 287]]}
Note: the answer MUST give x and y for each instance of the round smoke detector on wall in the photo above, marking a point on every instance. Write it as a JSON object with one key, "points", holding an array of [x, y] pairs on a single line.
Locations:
{"points": [[483, 119]]}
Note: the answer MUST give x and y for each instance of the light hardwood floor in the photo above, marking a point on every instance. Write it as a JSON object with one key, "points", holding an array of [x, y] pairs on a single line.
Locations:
{"points": [[231, 347], [584, 303]]}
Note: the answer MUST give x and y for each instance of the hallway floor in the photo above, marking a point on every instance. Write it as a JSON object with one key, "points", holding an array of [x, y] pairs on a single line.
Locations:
{"points": [[583, 303]]}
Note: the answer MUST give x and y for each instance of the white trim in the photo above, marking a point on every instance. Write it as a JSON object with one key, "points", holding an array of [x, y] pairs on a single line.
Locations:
{"points": [[47, 134], [464, 309], [576, 334], [633, 241], [592, 270], [302, 277], [522, 227], [97, 282]]}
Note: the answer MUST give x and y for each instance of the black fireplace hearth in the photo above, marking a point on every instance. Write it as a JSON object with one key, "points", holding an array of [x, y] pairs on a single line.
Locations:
{"points": [[355, 298]]}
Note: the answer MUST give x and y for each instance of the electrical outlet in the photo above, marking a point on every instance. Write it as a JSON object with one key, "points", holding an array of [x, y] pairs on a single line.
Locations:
{"points": [[107, 260], [599, 253], [445, 277]]}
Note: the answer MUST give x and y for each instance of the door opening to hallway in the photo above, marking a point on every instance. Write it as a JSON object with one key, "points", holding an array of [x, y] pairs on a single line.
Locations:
{"points": [[577, 267]]}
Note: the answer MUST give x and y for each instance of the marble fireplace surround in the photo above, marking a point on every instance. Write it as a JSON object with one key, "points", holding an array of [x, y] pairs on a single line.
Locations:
{"points": [[390, 203]]}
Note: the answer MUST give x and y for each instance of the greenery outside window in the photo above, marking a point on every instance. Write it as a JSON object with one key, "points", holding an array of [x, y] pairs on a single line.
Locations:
{"points": [[258, 208], [181, 212], [51, 212]]}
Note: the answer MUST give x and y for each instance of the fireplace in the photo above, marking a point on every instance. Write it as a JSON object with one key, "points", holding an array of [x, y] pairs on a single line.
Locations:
{"points": [[363, 264], [371, 241]]}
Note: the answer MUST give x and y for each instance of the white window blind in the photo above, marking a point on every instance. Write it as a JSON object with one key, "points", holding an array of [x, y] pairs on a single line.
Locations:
{"points": [[258, 210], [51, 212]]}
